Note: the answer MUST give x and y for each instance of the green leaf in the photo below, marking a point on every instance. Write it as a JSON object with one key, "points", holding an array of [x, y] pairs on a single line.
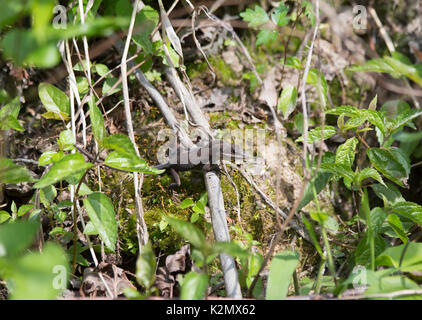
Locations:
{"points": [[319, 181], [412, 260], [309, 11], [279, 15], [53, 99], [101, 69], [403, 118], [312, 234], [293, 62], [287, 101], [188, 232], [363, 250], [377, 217], [393, 284], [24, 209], [39, 276], [388, 192], [395, 223], [255, 17], [101, 212], [188, 202], [68, 166], [339, 170], [9, 116], [266, 37], [108, 84], [375, 65], [145, 266], [316, 134], [12, 173], [409, 210], [124, 157], [375, 118], [123, 161], [11, 244], [82, 84], [4, 216], [390, 163], [148, 19], [324, 219], [367, 173], [66, 141], [281, 270], [345, 153], [194, 286], [231, 249], [97, 121], [50, 157]]}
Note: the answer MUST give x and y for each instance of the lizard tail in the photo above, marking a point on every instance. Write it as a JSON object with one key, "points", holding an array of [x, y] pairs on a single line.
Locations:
{"points": [[161, 166]]}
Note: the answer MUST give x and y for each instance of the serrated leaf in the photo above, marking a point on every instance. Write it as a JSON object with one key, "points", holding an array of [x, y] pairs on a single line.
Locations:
{"points": [[68, 166], [340, 170], [123, 161], [281, 270], [316, 134], [404, 118], [409, 210], [266, 36], [349, 111], [368, 173], [345, 153], [287, 100], [255, 17], [279, 15], [390, 163], [395, 223], [101, 212], [387, 191]]}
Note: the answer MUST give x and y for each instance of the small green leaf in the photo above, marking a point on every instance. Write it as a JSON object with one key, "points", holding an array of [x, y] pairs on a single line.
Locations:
{"points": [[53, 99], [123, 161], [316, 134], [346, 152], [194, 286], [108, 84], [4, 216], [101, 69], [279, 15], [12, 173], [97, 121], [340, 170], [287, 101], [266, 37], [188, 232], [9, 116], [281, 270], [312, 234], [367, 173], [70, 165], [255, 17], [82, 84], [145, 266], [188, 202], [395, 223], [66, 140], [101, 212]]}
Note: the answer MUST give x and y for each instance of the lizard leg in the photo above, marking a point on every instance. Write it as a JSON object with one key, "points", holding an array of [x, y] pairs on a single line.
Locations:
{"points": [[175, 177], [211, 167]]}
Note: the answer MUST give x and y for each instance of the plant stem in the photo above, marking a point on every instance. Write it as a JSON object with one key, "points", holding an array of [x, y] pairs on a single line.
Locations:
{"points": [[318, 282], [329, 254], [75, 227]]}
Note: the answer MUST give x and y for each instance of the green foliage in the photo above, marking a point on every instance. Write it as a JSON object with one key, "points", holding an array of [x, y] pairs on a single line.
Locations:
{"points": [[101, 213], [281, 270]]}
